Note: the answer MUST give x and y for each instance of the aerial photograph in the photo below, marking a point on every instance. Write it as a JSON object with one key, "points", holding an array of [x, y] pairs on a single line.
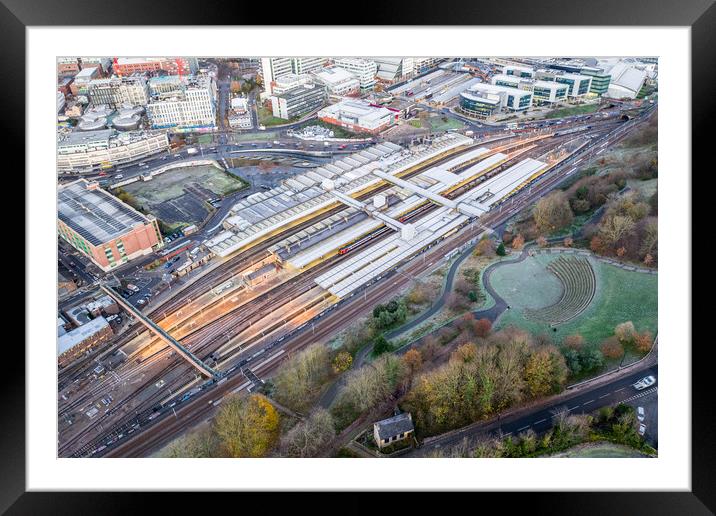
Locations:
{"points": [[357, 257]]}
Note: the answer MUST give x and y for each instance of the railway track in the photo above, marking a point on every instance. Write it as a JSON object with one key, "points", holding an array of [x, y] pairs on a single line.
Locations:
{"points": [[350, 312]]}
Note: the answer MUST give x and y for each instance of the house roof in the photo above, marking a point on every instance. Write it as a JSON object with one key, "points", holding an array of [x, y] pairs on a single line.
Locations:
{"points": [[394, 425]]}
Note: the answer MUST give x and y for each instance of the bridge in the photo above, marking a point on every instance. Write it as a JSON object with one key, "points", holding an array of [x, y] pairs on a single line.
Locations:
{"points": [[187, 355]]}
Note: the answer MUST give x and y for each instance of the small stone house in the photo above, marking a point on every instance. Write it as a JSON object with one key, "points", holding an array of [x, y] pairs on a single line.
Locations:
{"points": [[393, 429]]}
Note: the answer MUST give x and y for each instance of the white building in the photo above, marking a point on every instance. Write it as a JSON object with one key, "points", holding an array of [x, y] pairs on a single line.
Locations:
{"points": [[627, 80], [116, 91], [81, 150], [188, 103], [364, 69], [394, 69], [273, 68], [338, 81], [239, 115], [519, 71], [547, 92], [483, 100], [358, 116], [289, 81]]}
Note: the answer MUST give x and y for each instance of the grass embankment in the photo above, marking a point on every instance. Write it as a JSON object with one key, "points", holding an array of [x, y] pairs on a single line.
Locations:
{"points": [[571, 111]]}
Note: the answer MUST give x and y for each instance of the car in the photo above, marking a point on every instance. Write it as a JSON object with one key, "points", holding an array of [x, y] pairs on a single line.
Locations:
{"points": [[141, 302], [642, 429], [266, 187], [118, 176], [645, 382], [135, 288], [640, 413]]}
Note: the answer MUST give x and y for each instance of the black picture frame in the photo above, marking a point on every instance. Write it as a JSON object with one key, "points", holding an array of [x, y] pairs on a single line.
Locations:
{"points": [[700, 15]]}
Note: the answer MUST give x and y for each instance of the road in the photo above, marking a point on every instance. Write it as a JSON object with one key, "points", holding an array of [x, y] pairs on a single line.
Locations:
{"points": [[540, 419], [386, 289]]}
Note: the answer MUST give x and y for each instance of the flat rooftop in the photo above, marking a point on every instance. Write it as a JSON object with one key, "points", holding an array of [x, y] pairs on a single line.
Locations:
{"points": [[95, 214], [70, 339]]}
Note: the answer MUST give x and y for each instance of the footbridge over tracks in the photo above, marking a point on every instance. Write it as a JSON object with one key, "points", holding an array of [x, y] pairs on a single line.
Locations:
{"points": [[173, 343]]}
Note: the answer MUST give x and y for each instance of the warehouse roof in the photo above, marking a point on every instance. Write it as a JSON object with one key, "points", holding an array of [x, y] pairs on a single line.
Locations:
{"points": [[70, 339], [95, 214]]}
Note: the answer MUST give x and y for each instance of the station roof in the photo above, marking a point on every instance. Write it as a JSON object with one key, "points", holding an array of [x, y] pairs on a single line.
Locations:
{"points": [[248, 222], [95, 214]]}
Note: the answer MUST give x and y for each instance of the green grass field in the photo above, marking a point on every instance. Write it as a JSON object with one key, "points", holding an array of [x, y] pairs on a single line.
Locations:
{"points": [[621, 296], [571, 111], [436, 123], [267, 119]]}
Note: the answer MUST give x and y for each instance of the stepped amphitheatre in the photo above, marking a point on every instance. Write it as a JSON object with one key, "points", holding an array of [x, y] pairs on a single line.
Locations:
{"points": [[579, 285]]}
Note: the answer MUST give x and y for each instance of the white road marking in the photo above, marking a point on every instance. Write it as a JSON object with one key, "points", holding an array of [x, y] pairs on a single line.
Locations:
{"points": [[523, 428], [587, 402], [604, 395], [540, 421]]}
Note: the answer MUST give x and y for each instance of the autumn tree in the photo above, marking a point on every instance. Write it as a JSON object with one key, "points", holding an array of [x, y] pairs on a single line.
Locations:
{"points": [[568, 242], [485, 247], [203, 443], [299, 378], [310, 436], [643, 341], [573, 342], [413, 361], [545, 371], [482, 327], [612, 348], [518, 242], [247, 427], [541, 241], [552, 212], [342, 362], [625, 332], [616, 227]]}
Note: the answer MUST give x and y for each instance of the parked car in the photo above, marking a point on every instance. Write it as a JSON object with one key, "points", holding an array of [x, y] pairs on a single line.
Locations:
{"points": [[134, 288], [118, 176], [642, 429], [640, 413]]}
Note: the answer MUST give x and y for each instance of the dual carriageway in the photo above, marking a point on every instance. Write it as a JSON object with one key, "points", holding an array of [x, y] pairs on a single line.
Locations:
{"points": [[252, 321]]}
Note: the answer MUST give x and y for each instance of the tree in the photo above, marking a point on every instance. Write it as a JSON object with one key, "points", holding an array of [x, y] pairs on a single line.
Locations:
{"points": [[541, 241], [591, 358], [552, 212], [643, 341], [482, 327], [309, 436], [485, 247], [247, 427], [299, 378], [597, 244], [568, 241], [203, 443], [429, 349], [545, 371], [612, 348], [465, 353], [625, 332], [518, 242], [381, 345], [574, 342], [615, 227], [342, 362], [648, 260], [501, 250], [413, 361]]}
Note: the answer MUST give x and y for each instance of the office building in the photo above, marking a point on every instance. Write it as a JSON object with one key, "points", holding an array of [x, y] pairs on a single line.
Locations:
{"points": [[172, 65], [600, 79], [116, 91], [82, 79], [72, 344], [546, 92], [273, 68], [364, 69], [182, 104], [394, 69], [519, 71], [82, 150], [483, 100], [338, 82], [298, 101], [103, 228]]}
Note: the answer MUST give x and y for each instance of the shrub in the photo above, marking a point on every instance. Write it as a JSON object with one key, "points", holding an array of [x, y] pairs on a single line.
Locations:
{"points": [[612, 348]]}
